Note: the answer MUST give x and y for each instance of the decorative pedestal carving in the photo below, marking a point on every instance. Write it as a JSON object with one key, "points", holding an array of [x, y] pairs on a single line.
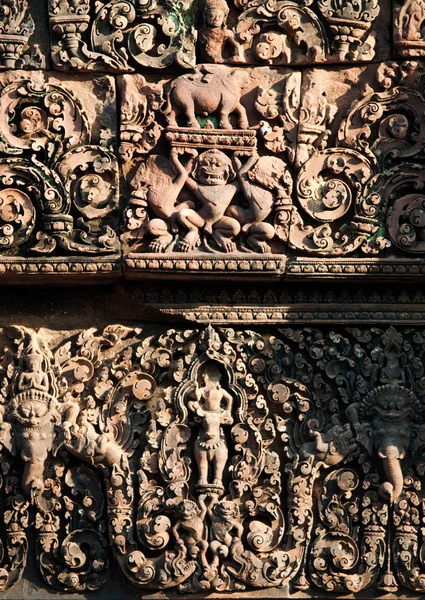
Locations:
{"points": [[121, 35]]}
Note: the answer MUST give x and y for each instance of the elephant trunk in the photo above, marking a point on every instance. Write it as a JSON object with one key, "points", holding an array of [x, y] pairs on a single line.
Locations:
{"points": [[391, 457], [34, 447], [32, 478]]}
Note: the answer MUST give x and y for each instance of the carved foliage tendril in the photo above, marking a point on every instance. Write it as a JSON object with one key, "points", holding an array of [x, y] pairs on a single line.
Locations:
{"points": [[231, 459], [50, 175], [121, 35]]}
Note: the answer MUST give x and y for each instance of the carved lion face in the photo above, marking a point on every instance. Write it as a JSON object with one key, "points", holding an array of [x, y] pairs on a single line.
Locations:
{"points": [[33, 411], [188, 510], [226, 509], [213, 167]]}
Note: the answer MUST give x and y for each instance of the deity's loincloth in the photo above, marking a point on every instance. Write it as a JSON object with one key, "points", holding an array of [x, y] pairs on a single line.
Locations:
{"points": [[210, 446]]}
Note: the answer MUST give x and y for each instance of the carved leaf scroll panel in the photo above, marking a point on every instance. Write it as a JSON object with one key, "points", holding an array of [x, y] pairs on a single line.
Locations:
{"points": [[58, 175], [215, 459], [121, 35]]}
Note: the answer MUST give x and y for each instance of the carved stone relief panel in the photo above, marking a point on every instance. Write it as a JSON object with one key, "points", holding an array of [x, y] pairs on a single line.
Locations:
{"points": [[409, 24], [282, 32], [358, 188], [215, 459], [325, 182], [208, 161], [58, 176], [122, 35], [23, 40]]}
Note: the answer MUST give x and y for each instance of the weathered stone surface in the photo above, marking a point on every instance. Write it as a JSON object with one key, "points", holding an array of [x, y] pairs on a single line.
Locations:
{"points": [[283, 32], [59, 176], [122, 35], [358, 188], [216, 169], [193, 433], [409, 21], [24, 43]]}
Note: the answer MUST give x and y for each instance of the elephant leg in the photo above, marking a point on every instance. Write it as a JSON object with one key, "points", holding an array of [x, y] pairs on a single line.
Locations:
{"points": [[223, 231], [243, 117], [226, 109], [190, 113]]}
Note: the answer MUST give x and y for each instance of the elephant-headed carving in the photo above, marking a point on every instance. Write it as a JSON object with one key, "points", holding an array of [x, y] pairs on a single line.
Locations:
{"points": [[210, 90], [391, 410], [34, 412]]}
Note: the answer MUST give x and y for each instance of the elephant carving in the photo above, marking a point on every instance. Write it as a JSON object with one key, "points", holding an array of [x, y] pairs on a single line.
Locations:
{"points": [[211, 89], [391, 411], [34, 413]]}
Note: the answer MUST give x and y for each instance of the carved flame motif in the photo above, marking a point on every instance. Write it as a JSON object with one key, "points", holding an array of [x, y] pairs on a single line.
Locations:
{"points": [[16, 29]]}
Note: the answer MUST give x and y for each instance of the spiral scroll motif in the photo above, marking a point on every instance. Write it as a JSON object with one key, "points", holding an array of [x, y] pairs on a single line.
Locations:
{"points": [[17, 217]]}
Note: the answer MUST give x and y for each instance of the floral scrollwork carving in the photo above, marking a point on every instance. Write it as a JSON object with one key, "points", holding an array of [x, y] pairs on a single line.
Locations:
{"points": [[55, 186], [78, 561], [341, 560], [231, 460], [386, 126], [121, 35], [380, 207], [405, 218], [329, 185], [15, 519]]}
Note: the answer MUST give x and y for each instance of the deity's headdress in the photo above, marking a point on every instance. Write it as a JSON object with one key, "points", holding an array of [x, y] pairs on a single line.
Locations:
{"points": [[219, 4]]}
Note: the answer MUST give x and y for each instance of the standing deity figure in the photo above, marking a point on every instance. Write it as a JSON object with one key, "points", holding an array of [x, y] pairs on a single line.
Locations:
{"points": [[213, 408]]}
